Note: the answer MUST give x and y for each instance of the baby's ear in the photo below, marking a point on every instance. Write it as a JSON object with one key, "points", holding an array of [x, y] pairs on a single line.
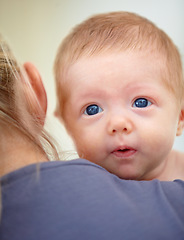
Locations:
{"points": [[180, 122], [39, 107]]}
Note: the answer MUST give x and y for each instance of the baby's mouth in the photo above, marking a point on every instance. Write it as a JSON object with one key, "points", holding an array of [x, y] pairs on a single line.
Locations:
{"points": [[124, 152]]}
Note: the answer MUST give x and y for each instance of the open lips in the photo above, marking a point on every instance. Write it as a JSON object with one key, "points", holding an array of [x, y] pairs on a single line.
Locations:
{"points": [[123, 152]]}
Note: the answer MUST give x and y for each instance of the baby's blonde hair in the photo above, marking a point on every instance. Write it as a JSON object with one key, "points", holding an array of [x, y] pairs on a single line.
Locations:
{"points": [[118, 32], [12, 80]]}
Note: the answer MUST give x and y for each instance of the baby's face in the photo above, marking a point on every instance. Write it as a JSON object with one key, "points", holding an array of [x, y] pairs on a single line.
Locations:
{"points": [[120, 114]]}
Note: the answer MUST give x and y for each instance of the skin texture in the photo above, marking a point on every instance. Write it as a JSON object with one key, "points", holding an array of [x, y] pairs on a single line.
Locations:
{"points": [[129, 141]]}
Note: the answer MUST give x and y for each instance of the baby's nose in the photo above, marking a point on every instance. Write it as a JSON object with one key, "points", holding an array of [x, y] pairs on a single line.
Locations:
{"points": [[120, 124]]}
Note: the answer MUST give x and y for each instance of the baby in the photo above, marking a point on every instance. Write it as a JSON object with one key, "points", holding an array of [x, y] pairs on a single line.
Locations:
{"points": [[120, 92]]}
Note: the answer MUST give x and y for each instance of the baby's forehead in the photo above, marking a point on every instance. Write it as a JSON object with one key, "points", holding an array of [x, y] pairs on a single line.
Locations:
{"points": [[104, 68], [119, 59]]}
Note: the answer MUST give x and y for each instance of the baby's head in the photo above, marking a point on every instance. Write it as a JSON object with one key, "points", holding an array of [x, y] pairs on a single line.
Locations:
{"points": [[118, 32], [120, 93]]}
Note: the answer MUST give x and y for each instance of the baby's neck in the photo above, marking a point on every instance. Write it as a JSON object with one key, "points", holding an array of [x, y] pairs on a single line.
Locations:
{"points": [[174, 168]]}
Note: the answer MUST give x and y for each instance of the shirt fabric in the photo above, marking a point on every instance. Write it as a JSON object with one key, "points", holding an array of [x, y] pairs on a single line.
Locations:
{"points": [[79, 200]]}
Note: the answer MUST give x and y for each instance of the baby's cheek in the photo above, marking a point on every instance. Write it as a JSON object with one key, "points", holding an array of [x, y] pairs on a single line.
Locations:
{"points": [[90, 148], [159, 141]]}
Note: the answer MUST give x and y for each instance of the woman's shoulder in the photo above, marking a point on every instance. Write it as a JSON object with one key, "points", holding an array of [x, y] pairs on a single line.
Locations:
{"points": [[72, 198], [51, 168]]}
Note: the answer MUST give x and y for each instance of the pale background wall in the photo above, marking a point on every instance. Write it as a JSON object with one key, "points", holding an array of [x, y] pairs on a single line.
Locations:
{"points": [[34, 28]]}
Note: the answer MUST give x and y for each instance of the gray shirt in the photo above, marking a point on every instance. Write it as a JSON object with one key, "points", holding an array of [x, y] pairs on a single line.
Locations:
{"points": [[79, 200]]}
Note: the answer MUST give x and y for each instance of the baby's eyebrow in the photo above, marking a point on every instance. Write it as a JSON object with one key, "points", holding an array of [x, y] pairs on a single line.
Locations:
{"points": [[89, 97], [93, 91]]}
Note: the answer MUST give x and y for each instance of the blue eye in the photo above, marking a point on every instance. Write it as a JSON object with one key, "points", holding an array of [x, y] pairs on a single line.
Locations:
{"points": [[93, 109], [141, 103]]}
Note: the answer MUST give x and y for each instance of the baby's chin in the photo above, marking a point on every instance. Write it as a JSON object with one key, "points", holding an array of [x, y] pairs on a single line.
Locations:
{"points": [[128, 174]]}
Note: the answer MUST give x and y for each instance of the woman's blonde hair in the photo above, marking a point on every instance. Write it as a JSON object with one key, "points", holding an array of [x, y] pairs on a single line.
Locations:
{"points": [[12, 80], [117, 32]]}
